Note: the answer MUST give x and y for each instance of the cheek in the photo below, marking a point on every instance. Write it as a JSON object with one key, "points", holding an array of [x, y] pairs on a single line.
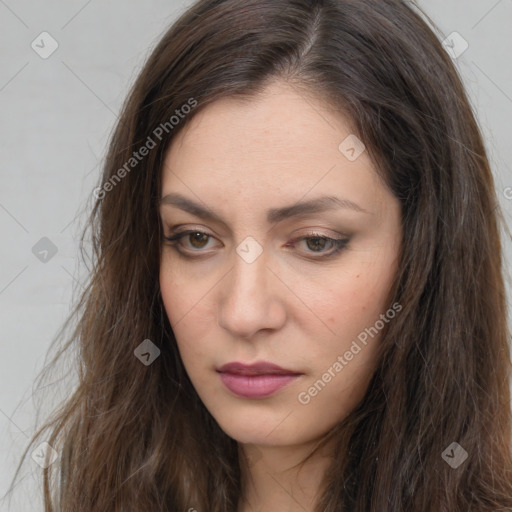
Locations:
{"points": [[188, 315], [361, 290], [169, 290], [352, 304], [183, 293], [351, 308]]}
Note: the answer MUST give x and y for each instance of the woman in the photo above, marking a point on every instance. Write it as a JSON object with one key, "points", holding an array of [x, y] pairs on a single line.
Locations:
{"points": [[297, 301]]}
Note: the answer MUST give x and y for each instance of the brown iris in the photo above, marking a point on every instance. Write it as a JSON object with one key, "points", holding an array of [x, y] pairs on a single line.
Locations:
{"points": [[198, 238]]}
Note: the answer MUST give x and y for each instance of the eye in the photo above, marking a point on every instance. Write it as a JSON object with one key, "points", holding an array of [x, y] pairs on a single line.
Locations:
{"points": [[197, 240], [316, 243]]}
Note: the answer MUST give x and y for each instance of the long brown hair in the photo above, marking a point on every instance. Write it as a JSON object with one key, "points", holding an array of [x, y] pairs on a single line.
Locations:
{"points": [[136, 437]]}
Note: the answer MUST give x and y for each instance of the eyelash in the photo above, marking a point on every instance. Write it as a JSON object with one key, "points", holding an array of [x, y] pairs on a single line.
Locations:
{"points": [[338, 243]]}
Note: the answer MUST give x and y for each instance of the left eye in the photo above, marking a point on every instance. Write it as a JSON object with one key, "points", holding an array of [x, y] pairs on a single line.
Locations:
{"points": [[315, 243]]}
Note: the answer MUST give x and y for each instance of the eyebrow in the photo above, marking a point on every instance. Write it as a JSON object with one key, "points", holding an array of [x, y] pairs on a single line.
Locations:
{"points": [[274, 215]]}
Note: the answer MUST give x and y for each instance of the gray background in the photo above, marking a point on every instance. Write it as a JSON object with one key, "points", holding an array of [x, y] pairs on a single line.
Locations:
{"points": [[57, 114]]}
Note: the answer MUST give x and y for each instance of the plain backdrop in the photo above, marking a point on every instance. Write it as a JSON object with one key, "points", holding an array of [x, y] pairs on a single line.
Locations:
{"points": [[56, 117]]}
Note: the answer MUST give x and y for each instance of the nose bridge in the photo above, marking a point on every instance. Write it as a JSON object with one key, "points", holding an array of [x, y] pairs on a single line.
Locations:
{"points": [[249, 274], [249, 300]]}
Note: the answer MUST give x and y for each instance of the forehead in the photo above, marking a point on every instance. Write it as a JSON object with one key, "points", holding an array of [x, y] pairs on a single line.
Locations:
{"points": [[281, 145], [280, 119]]}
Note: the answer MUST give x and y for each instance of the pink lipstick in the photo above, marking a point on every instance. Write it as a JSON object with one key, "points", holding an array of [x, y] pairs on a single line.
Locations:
{"points": [[257, 380]]}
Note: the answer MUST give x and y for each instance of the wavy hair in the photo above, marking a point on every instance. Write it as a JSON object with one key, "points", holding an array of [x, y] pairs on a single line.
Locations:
{"points": [[137, 437]]}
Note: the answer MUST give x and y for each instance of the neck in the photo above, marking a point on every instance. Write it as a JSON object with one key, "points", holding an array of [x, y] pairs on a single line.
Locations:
{"points": [[272, 478]]}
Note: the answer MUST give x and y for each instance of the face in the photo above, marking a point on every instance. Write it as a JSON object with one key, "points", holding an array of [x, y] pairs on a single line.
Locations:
{"points": [[283, 249]]}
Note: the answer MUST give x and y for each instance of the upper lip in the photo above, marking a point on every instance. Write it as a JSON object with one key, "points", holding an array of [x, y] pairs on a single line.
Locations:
{"points": [[259, 368]]}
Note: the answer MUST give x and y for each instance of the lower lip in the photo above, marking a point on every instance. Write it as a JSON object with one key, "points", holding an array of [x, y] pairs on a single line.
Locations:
{"points": [[255, 386]]}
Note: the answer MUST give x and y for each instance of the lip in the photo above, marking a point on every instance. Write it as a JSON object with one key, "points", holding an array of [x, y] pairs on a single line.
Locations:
{"points": [[257, 380]]}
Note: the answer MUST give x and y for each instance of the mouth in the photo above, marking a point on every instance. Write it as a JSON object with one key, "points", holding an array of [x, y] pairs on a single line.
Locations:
{"points": [[258, 380]]}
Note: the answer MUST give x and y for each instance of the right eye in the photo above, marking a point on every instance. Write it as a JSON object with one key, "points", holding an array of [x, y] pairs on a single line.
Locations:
{"points": [[197, 240]]}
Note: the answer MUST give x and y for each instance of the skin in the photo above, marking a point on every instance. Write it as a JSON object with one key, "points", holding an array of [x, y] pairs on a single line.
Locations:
{"points": [[289, 306]]}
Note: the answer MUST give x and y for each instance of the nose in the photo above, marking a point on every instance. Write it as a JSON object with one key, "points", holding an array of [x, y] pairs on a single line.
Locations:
{"points": [[250, 299]]}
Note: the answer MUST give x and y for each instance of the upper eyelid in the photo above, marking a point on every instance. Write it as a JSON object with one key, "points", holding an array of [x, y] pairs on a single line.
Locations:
{"points": [[175, 230], [187, 230]]}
